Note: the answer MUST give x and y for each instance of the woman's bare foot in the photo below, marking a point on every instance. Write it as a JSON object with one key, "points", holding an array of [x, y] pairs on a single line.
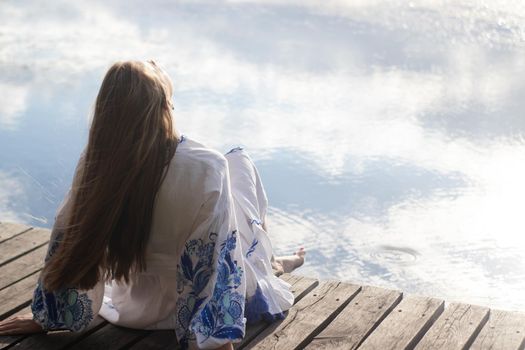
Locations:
{"points": [[285, 264]]}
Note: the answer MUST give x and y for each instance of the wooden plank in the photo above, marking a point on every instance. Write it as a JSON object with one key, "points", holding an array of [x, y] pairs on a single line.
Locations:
{"points": [[504, 330], [59, 339], [456, 328], [9, 229], [22, 267], [405, 325], [8, 340], [158, 340], [306, 318], [17, 296], [292, 278], [362, 315], [300, 286], [167, 339], [111, 337], [22, 244]]}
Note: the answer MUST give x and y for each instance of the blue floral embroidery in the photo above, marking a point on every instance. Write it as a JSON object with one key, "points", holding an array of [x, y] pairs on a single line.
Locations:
{"points": [[64, 309], [235, 150], [222, 316], [257, 309], [256, 221], [252, 248]]}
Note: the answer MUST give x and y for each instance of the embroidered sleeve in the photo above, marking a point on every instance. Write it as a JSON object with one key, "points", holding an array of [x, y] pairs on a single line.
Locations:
{"points": [[211, 281], [67, 308]]}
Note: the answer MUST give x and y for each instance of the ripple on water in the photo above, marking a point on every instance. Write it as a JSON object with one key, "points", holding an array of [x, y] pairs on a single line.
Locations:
{"points": [[395, 255]]}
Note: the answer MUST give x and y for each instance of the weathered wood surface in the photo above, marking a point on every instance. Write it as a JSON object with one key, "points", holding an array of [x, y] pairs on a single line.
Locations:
{"points": [[22, 267], [406, 324], [17, 296], [504, 330], [310, 315], [362, 315], [8, 230], [111, 337], [457, 328], [156, 341], [300, 286], [16, 246], [117, 337], [58, 339], [326, 315], [6, 341]]}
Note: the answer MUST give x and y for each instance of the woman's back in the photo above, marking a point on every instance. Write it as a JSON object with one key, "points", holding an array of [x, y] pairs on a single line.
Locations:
{"points": [[195, 174], [193, 182]]}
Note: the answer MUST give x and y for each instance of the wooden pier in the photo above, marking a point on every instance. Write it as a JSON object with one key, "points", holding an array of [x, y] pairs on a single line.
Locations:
{"points": [[326, 314]]}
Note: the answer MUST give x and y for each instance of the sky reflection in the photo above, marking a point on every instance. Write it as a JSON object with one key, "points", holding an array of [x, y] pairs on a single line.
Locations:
{"points": [[389, 134]]}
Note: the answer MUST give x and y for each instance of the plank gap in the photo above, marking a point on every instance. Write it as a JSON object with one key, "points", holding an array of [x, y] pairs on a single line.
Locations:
{"points": [[17, 296], [478, 330], [59, 339], [15, 235], [8, 341], [111, 337], [22, 267], [308, 316], [503, 330], [300, 287], [328, 320], [21, 278], [378, 322], [405, 325], [8, 260], [419, 335], [15, 309], [157, 340], [138, 338]]}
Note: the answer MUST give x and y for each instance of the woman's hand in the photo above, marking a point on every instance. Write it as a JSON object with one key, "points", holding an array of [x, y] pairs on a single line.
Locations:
{"points": [[22, 324]]}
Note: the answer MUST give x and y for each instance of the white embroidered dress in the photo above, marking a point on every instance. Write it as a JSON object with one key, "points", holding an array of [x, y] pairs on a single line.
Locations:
{"points": [[208, 259]]}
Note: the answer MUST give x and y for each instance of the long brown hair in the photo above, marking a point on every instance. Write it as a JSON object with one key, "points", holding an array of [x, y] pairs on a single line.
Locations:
{"points": [[131, 143]]}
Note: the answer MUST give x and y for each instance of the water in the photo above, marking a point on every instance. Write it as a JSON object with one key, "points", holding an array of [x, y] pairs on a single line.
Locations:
{"points": [[389, 134]]}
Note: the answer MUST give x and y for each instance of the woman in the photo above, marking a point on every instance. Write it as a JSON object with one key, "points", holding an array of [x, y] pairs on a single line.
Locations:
{"points": [[158, 231]]}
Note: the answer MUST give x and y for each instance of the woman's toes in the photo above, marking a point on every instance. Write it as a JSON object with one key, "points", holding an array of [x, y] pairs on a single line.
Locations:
{"points": [[301, 252]]}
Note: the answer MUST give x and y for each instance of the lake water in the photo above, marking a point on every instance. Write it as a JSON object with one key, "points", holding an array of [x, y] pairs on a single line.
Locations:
{"points": [[389, 134]]}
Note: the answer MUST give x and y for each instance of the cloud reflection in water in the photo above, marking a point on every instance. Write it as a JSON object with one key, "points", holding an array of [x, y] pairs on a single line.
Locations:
{"points": [[389, 133]]}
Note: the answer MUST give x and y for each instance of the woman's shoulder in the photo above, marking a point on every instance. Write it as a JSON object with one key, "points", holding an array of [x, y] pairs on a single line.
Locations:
{"points": [[200, 155]]}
